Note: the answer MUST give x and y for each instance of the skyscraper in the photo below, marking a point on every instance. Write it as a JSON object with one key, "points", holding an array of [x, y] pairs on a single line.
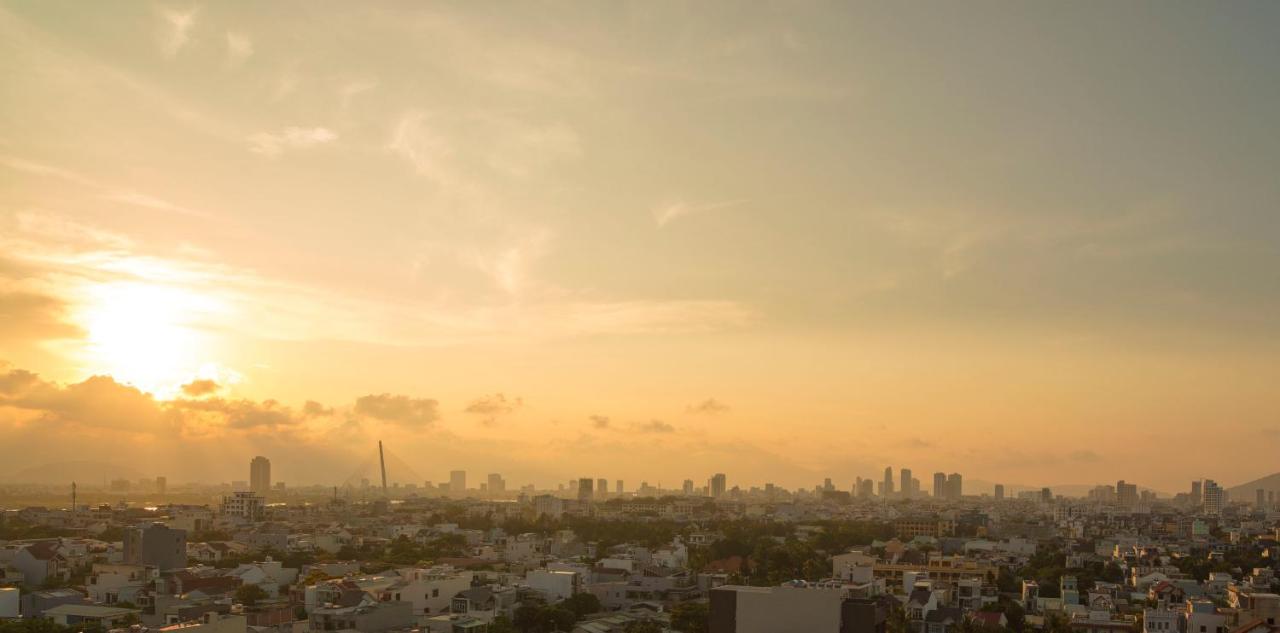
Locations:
{"points": [[939, 485], [260, 475], [1197, 495], [617, 487], [904, 476], [602, 486], [687, 488], [585, 486], [1214, 497], [955, 486], [887, 491], [999, 492], [1126, 494], [718, 483], [458, 481], [497, 485]]}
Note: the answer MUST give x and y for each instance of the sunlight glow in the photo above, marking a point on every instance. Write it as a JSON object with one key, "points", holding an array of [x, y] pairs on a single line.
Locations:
{"points": [[146, 334]]}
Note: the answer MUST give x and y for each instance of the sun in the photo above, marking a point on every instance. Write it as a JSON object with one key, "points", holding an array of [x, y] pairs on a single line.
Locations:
{"points": [[145, 334]]}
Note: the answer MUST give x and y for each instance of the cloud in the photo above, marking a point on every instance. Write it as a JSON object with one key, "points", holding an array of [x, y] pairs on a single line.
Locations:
{"points": [[99, 401], [239, 49], [313, 409], [655, 426], [398, 409], [275, 143], [599, 421], [352, 89], [30, 317], [151, 202], [201, 387], [710, 406], [175, 29], [17, 381], [1085, 456], [244, 414], [665, 214], [494, 406]]}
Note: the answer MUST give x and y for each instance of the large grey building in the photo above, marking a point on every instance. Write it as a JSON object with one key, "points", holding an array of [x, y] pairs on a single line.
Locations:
{"points": [[157, 545], [785, 609], [260, 475]]}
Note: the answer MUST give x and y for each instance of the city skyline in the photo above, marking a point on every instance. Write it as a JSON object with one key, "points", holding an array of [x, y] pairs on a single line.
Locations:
{"points": [[1031, 244]]}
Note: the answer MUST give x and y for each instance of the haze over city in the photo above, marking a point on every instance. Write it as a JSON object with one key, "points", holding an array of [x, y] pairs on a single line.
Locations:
{"points": [[1031, 243]]}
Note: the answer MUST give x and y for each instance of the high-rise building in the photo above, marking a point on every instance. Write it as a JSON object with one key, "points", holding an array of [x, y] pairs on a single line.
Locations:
{"points": [[1126, 494], [156, 545], [457, 481], [887, 491], [866, 489], [161, 485], [718, 485], [999, 492], [687, 488], [1262, 498], [904, 476], [585, 486], [1197, 493], [602, 486], [617, 487], [496, 484], [940, 485], [260, 475], [955, 486], [1215, 498]]}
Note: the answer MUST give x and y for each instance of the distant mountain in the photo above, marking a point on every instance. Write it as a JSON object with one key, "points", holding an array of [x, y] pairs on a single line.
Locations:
{"points": [[85, 472], [1246, 491]]}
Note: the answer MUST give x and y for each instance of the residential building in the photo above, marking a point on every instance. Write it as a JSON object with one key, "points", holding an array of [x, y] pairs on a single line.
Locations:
{"points": [[156, 545]]}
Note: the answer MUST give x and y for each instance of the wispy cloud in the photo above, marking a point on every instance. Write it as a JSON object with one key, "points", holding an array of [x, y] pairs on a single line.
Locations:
{"points": [[275, 143], [668, 213], [239, 49], [710, 406], [175, 29], [654, 426]]}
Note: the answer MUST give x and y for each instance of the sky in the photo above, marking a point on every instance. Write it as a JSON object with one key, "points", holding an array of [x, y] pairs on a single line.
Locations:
{"points": [[1034, 243]]}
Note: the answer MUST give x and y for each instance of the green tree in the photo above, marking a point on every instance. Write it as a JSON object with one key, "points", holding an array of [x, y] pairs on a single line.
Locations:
{"points": [[249, 595], [642, 626], [691, 617], [582, 604]]}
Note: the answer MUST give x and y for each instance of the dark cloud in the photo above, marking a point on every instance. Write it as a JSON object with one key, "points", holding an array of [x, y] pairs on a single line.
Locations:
{"points": [[313, 409], [397, 409], [494, 406], [599, 421], [1085, 456], [243, 414], [655, 426], [17, 381], [98, 401], [202, 387], [33, 317], [710, 406]]}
